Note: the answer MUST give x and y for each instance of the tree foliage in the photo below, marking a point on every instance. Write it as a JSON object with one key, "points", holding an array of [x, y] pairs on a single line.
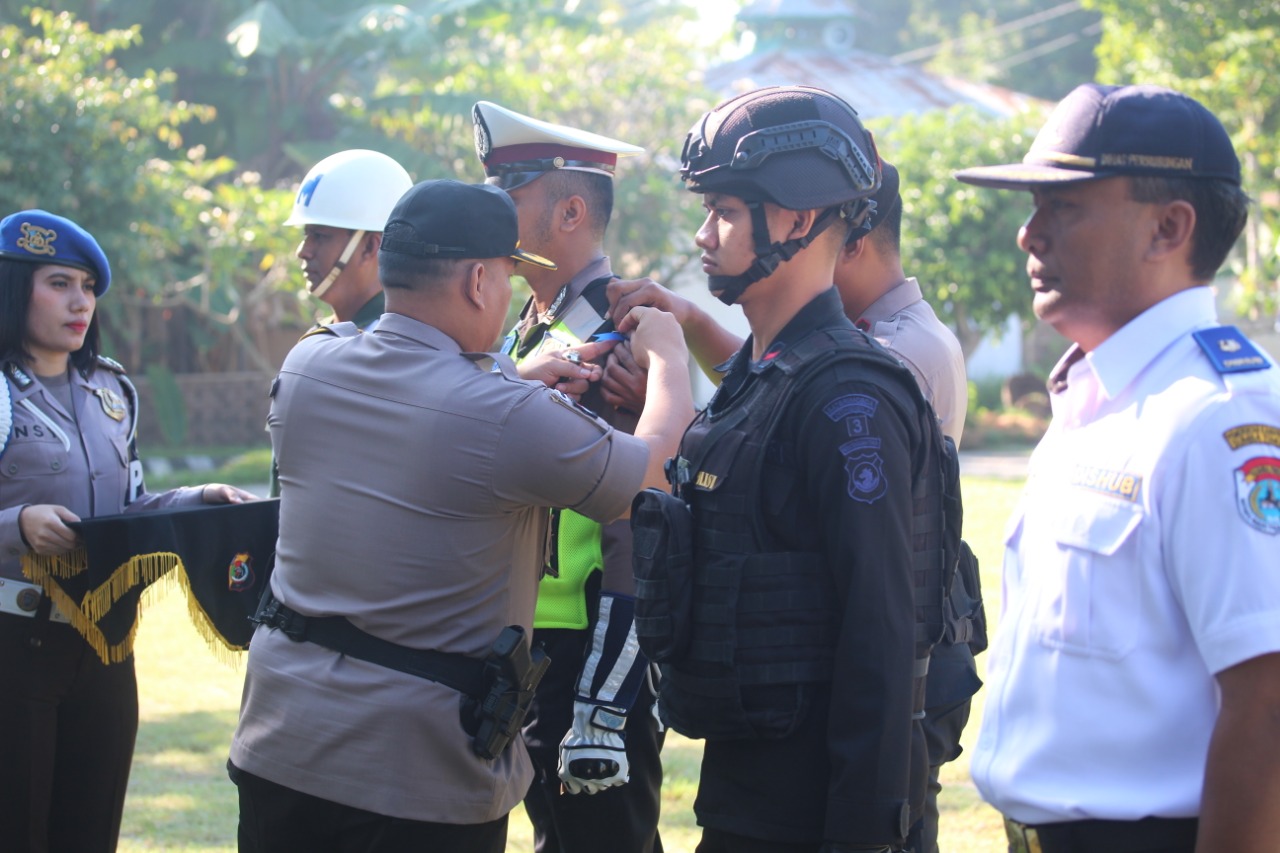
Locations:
{"points": [[1041, 47], [91, 142], [1223, 54], [958, 239]]}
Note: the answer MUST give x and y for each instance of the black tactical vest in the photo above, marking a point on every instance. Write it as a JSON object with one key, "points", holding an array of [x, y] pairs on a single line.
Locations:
{"points": [[758, 631]]}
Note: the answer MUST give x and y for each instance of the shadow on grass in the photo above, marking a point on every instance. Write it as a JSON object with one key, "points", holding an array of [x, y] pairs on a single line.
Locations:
{"points": [[179, 795]]}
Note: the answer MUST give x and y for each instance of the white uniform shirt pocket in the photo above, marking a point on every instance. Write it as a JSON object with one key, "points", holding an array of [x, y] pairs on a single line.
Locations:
{"points": [[1091, 592]]}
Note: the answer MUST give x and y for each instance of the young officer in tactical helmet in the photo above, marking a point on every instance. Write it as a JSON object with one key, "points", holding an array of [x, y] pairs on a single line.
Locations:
{"points": [[796, 652], [343, 204], [590, 728]]}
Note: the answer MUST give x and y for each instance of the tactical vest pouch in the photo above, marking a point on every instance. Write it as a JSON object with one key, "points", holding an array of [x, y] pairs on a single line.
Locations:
{"points": [[966, 616], [762, 638], [662, 559]]}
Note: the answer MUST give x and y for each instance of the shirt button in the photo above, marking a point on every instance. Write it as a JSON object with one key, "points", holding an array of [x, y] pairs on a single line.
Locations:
{"points": [[36, 642], [55, 465], [13, 468]]}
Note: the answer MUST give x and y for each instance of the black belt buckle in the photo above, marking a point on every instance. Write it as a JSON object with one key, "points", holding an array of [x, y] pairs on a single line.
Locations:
{"points": [[1022, 838]]}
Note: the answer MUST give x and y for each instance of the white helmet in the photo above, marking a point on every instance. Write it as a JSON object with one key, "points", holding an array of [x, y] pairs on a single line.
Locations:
{"points": [[353, 189]]}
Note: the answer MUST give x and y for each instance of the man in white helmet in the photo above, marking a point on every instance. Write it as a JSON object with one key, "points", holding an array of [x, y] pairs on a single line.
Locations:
{"points": [[342, 206]]}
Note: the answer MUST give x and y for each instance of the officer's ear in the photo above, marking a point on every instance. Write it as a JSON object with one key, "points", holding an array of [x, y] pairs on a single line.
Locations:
{"points": [[571, 213], [473, 290]]}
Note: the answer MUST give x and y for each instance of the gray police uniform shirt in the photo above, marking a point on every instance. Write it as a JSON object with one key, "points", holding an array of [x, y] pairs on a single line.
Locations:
{"points": [[77, 460], [907, 326], [415, 480]]}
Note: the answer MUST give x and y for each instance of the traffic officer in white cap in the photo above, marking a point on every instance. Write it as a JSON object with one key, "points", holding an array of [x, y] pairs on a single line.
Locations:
{"points": [[590, 729]]}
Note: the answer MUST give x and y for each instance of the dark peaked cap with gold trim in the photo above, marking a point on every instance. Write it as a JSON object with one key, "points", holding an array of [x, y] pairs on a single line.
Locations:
{"points": [[515, 149], [1101, 131]]}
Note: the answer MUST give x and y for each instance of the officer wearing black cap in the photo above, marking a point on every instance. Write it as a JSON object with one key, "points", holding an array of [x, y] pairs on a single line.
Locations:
{"points": [[1134, 683], [361, 724], [811, 482], [590, 729], [68, 419]]}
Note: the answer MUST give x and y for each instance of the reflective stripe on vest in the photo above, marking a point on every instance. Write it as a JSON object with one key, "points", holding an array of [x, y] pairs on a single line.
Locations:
{"points": [[562, 600]]}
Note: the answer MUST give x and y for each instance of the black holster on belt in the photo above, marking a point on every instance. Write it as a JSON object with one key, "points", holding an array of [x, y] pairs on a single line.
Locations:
{"points": [[511, 673], [498, 689]]}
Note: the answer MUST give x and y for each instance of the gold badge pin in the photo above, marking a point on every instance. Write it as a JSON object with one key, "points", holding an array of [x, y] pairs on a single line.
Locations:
{"points": [[111, 403]]}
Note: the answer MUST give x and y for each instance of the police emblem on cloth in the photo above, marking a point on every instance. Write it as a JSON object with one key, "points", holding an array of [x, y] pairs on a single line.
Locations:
{"points": [[1258, 493], [240, 572]]}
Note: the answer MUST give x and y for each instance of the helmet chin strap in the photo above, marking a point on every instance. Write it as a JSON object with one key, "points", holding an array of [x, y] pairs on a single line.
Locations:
{"points": [[769, 255], [338, 266]]}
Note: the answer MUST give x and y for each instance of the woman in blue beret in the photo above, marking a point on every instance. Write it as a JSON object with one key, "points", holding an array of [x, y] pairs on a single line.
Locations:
{"points": [[67, 426]]}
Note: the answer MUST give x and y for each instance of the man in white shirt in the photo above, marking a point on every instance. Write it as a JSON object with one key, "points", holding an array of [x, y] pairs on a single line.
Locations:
{"points": [[1135, 678]]}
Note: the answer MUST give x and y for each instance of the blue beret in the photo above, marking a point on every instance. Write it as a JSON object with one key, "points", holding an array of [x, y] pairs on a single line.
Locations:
{"points": [[40, 237]]}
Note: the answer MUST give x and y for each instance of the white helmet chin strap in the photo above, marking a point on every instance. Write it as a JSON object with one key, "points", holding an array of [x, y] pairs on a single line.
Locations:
{"points": [[338, 266]]}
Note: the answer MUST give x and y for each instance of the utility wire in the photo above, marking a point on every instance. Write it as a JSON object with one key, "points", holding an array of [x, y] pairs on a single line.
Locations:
{"points": [[1012, 26], [1046, 48]]}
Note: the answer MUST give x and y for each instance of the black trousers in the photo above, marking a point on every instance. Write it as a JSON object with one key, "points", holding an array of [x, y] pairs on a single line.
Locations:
{"points": [[622, 819], [67, 728], [718, 841], [276, 819], [942, 730]]}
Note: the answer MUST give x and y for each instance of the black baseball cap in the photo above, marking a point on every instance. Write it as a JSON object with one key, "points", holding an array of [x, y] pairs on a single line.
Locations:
{"points": [[1101, 131], [450, 219]]}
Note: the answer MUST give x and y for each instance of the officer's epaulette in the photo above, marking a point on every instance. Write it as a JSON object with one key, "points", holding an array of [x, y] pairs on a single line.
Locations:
{"points": [[1229, 351], [341, 330], [20, 377], [111, 364]]}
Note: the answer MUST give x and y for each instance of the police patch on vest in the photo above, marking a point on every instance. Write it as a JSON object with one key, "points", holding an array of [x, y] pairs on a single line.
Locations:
{"points": [[866, 477], [111, 403], [1247, 434], [1258, 493], [1118, 484]]}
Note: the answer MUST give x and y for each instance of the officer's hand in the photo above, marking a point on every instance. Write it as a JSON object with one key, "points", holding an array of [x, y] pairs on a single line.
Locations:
{"points": [[570, 370], [593, 758], [624, 382], [654, 333], [634, 293], [44, 528], [221, 493]]}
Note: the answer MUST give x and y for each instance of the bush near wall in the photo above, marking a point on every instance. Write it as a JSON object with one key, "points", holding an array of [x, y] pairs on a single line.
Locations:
{"points": [[223, 410]]}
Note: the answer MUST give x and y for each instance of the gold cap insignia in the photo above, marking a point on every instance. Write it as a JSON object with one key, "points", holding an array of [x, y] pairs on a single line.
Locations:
{"points": [[37, 240]]}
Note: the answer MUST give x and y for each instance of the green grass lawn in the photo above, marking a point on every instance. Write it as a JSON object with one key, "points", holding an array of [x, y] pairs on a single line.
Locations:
{"points": [[181, 800]]}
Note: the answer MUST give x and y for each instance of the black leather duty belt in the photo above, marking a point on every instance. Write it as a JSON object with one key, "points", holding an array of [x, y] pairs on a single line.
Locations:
{"points": [[1169, 835], [336, 633]]}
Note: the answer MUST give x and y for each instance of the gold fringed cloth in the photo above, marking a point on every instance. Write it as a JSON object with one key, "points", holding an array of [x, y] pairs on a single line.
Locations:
{"points": [[221, 555]]}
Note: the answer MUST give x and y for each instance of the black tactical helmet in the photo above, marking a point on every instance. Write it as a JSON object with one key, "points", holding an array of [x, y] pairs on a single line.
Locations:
{"points": [[795, 146]]}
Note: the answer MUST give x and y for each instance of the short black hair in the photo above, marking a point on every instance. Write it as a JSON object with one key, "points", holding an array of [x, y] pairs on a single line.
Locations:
{"points": [[1221, 207], [17, 279], [596, 190], [399, 271]]}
